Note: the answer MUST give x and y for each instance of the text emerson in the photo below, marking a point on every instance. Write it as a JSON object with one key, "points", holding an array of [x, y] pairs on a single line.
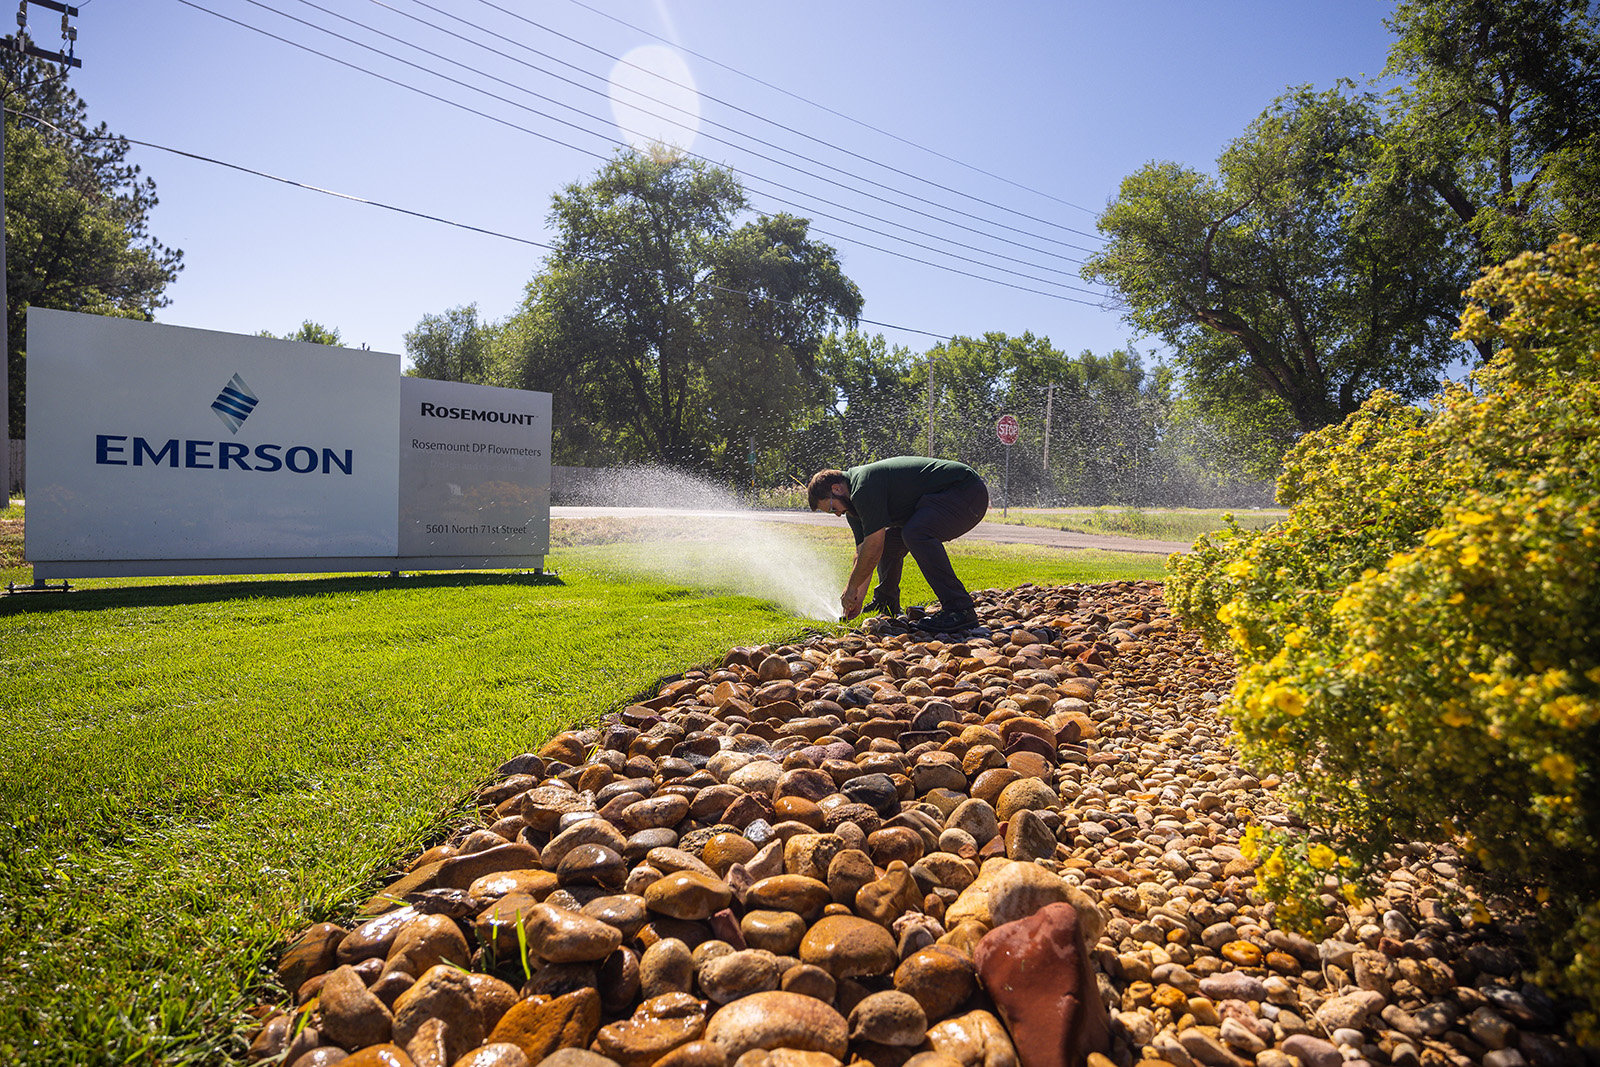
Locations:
{"points": [[510, 418], [114, 450]]}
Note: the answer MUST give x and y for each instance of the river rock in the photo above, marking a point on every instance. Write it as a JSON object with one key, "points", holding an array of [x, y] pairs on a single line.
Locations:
{"points": [[352, 1016], [778, 1020], [437, 1020], [888, 1018], [976, 1039], [660, 1025], [1038, 973], [539, 1025], [849, 947]]}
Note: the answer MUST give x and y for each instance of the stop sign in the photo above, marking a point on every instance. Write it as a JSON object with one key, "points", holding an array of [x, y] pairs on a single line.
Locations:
{"points": [[1007, 429]]}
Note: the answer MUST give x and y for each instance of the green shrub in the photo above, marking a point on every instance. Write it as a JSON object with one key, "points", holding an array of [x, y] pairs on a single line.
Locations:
{"points": [[1417, 640]]}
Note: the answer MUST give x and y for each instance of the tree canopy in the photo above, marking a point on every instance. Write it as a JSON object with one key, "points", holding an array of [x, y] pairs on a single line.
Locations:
{"points": [[1326, 257], [1501, 116], [667, 331], [452, 347], [1289, 280], [77, 236], [313, 333]]}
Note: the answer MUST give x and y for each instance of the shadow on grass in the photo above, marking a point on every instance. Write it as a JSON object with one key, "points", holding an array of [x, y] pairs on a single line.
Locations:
{"points": [[144, 596]]}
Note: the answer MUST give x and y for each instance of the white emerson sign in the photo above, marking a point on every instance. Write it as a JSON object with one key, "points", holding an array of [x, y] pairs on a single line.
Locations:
{"points": [[165, 450]]}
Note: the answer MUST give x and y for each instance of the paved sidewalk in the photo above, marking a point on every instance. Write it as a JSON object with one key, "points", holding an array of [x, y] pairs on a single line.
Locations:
{"points": [[1000, 533]]}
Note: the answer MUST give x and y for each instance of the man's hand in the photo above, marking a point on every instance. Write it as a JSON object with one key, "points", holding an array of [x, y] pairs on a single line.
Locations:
{"points": [[852, 600]]}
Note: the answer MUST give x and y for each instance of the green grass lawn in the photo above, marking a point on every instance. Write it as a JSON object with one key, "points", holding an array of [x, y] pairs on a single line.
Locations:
{"points": [[193, 769], [1155, 524]]}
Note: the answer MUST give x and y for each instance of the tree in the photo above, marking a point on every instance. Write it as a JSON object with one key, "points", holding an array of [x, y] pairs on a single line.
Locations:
{"points": [[76, 216], [1501, 117], [870, 408], [669, 333], [312, 333], [452, 347], [1291, 283]]}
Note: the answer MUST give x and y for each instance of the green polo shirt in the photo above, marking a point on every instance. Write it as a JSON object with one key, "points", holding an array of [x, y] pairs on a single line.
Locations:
{"points": [[885, 493]]}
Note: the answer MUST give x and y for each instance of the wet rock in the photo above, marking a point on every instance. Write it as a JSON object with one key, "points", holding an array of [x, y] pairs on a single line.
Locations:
{"points": [[849, 947], [540, 1026], [778, 1020], [437, 1020], [659, 1026], [352, 1016]]}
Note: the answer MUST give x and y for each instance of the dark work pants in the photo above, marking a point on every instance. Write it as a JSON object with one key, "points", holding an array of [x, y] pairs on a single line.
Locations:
{"points": [[939, 517]]}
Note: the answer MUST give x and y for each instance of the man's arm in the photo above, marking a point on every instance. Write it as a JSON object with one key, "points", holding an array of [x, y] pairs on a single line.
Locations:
{"points": [[868, 552]]}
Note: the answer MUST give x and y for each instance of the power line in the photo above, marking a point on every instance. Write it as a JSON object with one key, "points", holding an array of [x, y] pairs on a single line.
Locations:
{"points": [[842, 115], [773, 122], [424, 215], [616, 143], [720, 126], [746, 174]]}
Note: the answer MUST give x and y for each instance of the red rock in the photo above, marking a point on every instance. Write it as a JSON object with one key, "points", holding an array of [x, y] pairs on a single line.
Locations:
{"points": [[1038, 973]]}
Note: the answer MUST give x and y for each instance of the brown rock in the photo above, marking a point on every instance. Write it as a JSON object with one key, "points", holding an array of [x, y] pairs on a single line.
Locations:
{"points": [[437, 1020], [888, 1018], [940, 979], [501, 1054], [459, 872], [976, 1039], [314, 951], [420, 945], [778, 1020], [384, 1055], [540, 1026], [849, 947], [660, 1025], [558, 935], [352, 1016], [788, 892], [688, 895]]}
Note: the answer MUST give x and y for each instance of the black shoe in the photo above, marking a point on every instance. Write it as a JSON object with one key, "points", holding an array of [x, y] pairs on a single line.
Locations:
{"points": [[949, 622], [883, 604]]}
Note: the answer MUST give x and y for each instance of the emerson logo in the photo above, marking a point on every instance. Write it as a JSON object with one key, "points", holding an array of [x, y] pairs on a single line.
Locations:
{"points": [[234, 404]]}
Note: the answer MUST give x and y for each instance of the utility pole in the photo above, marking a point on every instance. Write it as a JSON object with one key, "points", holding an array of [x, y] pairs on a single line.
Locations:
{"points": [[1049, 410], [21, 44]]}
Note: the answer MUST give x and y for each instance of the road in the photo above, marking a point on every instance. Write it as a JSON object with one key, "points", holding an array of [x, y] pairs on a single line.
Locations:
{"points": [[998, 532]]}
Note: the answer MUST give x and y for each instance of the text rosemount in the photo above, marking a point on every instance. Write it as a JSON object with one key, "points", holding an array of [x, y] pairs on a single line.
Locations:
{"points": [[114, 450], [510, 418]]}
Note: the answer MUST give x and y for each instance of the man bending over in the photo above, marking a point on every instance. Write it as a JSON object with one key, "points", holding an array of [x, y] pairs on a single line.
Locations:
{"points": [[906, 504]]}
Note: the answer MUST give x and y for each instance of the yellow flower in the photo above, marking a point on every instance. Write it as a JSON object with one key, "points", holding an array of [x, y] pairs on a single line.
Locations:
{"points": [[1473, 518], [1322, 857], [1470, 556], [1273, 865], [1237, 569], [1559, 767], [1352, 894], [1455, 598], [1287, 700], [1250, 845], [1227, 613], [1438, 536]]}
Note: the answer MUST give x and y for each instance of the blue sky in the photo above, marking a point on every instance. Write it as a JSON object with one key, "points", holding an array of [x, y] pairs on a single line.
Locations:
{"points": [[1026, 115]]}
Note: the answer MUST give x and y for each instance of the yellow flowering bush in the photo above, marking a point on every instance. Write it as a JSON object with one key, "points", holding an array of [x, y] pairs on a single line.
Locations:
{"points": [[1417, 641], [1295, 873]]}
